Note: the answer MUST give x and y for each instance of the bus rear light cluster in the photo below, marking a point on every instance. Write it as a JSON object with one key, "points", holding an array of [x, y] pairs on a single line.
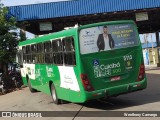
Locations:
{"points": [[86, 83], [141, 72]]}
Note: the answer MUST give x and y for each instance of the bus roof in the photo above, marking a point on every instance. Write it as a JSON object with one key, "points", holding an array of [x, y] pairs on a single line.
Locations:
{"points": [[108, 23], [50, 36], [69, 32]]}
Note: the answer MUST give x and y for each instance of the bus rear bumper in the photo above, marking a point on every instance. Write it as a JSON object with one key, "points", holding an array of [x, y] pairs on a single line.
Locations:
{"points": [[117, 90]]}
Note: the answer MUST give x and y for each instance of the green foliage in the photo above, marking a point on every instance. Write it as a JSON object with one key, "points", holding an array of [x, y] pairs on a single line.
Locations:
{"points": [[8, 37]]}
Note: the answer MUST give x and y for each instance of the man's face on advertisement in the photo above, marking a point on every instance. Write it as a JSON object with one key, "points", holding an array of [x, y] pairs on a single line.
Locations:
{"points": [[105, 30]]}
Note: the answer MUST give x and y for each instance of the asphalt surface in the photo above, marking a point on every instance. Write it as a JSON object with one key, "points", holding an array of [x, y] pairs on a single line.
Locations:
{"points": [[145, 100]]}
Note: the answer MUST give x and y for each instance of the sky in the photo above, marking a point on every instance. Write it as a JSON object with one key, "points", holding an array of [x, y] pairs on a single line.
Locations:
{"points": [[26, 2]]}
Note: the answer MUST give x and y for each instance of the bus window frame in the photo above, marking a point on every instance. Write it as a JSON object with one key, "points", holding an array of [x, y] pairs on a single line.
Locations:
{"points": [[65, 52], [40, 52], [34, 52], [57, 52], [28, 54], [48, 52], [23, 54]]}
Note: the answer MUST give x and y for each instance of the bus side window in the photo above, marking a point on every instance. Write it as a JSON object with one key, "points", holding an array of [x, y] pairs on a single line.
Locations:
{"points": [[24, 54], [28, 54], [48, 52], [19, 57], [57, 52], [34, 50], [40, 53], [69, 51]]}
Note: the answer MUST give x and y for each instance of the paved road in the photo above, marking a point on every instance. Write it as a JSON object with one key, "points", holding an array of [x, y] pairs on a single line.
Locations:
{"points": [[148, 99]]}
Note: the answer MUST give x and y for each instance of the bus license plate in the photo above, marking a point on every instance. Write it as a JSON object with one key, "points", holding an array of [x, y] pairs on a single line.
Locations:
{"points": [[115, 78]]}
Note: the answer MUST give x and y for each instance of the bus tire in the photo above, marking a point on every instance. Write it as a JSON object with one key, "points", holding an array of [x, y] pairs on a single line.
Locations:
{"points": [[54, 95], [32, 90]]}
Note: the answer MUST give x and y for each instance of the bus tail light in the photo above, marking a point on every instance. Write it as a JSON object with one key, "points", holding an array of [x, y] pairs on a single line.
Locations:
{"points": [[86, 83], [141, 72]]}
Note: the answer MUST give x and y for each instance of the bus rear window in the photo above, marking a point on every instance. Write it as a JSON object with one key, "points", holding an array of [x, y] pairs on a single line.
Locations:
{"points": [[107, 37]]}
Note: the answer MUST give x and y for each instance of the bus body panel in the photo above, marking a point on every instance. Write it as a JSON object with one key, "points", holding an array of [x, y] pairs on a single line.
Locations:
{"points": [[117, 90], [68, 88], [101, 76]]}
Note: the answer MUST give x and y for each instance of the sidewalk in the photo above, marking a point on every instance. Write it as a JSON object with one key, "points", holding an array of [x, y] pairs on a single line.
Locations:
{"points": [[151, 67]]}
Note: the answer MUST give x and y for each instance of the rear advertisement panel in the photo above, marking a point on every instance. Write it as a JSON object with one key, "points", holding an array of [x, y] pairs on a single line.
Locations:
{"points": [[109, 37]]}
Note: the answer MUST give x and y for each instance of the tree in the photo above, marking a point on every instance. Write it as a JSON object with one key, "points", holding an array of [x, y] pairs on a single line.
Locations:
{"points": [[8, 39]]}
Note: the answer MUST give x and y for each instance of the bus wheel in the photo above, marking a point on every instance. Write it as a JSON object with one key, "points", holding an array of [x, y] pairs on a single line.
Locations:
{"points": [[54, 95], [30, 87]]}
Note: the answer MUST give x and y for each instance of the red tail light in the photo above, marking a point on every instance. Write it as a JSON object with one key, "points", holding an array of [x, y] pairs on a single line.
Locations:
{"points": [[86, 83], [141, 72]]}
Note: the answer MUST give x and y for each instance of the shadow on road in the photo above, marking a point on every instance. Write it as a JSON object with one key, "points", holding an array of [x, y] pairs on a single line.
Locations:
{"points": [[150, 95]]}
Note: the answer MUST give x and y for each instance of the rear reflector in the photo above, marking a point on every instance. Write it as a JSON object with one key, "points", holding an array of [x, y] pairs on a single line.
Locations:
{"points": [[141, 72], [86, 83]]}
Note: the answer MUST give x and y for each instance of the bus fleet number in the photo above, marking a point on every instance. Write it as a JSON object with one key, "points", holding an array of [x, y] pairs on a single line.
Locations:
{"points": [[117, 70], [127, 57]]}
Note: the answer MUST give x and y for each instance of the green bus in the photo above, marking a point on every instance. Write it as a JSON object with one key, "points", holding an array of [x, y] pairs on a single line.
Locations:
{"points": [[86, 62]]}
